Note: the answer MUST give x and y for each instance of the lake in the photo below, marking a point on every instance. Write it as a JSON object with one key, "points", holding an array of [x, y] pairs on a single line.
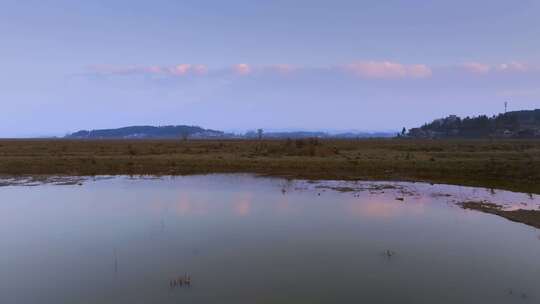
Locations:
{"points": [[246, 239]]}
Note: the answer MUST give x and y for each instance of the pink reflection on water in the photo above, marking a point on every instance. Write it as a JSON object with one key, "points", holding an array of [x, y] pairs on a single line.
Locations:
{"points": [[384, 206], [183, 205], [283, 206], [186, 206], [243, 205]]}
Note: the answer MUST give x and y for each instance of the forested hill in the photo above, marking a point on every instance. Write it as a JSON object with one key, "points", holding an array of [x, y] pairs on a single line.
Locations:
{"points": [[148, 132], [516, 124]]}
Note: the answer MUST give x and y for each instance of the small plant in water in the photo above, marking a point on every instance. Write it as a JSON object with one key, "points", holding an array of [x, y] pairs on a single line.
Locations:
{"points": [[180, 281], [388, 253]]}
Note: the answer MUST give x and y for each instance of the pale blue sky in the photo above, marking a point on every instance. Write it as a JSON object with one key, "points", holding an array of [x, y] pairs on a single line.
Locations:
{"points": [[307, 64]]}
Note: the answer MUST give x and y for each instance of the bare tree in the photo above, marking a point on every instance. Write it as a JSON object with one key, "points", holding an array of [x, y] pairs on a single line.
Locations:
{"points": [[260, 133]]}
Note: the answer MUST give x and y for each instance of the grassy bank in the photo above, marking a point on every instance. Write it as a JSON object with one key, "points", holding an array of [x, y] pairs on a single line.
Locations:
{"points": [[509, 164]]}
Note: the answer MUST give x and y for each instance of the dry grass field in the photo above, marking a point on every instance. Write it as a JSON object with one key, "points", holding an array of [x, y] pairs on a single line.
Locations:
{"points": [[505, 164]]}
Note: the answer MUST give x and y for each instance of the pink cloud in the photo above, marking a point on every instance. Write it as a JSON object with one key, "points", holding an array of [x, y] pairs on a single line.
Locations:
{"points": [[419, 71], [513, 66], [242, 69], [176, 70], [482, 68], [180, 69], [154, 69], [388, 70], [283, 68], [364, 69], [477, 68], [200, 69], [110, 69]]}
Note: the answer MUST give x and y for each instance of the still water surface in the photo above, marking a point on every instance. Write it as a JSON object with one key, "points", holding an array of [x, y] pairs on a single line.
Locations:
{"points": [[244, 239]]}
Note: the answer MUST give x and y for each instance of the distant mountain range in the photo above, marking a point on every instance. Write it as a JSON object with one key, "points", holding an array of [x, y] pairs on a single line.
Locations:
{"points": [[195, 132], [516, 124], [319, 134]]}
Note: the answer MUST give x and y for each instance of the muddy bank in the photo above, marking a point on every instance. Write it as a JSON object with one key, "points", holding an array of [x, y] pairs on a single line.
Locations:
{"points": [[527, 217]]}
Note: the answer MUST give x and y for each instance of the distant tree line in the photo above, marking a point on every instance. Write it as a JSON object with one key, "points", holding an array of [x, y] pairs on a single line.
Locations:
{"points": [[522, 124], [183, 132]]}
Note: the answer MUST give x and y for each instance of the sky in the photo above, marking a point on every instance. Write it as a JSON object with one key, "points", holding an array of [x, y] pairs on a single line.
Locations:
{"points": [[238, 65]]}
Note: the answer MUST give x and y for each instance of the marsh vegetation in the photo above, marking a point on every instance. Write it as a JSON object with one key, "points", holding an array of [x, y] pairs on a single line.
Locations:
{"points": [[506, 164]]}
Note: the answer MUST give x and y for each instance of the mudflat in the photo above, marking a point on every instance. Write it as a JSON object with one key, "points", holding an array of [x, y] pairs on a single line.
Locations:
{"points": [[528, 217]]}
